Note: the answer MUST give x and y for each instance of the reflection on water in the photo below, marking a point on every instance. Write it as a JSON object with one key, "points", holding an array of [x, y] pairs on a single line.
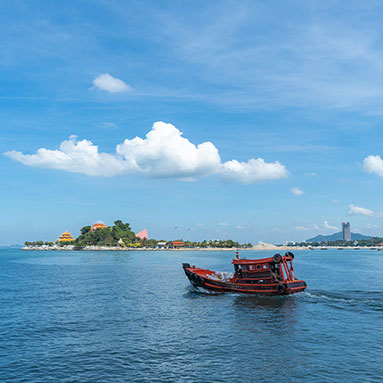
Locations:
{"points": [[256, 301]]}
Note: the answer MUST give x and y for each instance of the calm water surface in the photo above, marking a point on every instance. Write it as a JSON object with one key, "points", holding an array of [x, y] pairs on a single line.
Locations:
{"points": [[134, 317]]}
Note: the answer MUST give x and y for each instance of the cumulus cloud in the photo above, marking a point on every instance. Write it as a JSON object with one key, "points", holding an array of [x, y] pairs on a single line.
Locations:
{"points": [[357, 210], [223, 224], [110, 84], [75, 157], [328, 226], [253, 170], [373, 164], [296, 191], [162, 153]]}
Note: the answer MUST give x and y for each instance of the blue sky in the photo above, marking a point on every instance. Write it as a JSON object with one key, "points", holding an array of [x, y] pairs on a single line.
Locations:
{"points": [[280, 105]]}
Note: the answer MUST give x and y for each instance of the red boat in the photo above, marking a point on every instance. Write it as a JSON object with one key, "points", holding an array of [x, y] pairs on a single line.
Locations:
{"points": [[268, 276]]}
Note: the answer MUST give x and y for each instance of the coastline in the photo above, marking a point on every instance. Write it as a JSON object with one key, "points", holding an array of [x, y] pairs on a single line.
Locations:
{"points": [[116, 248], [262, 247]]}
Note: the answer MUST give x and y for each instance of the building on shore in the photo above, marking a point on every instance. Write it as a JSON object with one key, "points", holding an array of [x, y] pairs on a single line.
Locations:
{"points": [[98, 225], [142, 234], [65, 237], [121, 242], [346, 231], [178, 244]]}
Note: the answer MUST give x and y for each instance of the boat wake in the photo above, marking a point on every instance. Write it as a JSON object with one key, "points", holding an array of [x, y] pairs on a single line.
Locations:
{"points": [[196, 291], [365, 300]]}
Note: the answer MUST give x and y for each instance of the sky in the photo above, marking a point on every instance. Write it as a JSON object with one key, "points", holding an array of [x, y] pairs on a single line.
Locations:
{"points": [[249, 120]]}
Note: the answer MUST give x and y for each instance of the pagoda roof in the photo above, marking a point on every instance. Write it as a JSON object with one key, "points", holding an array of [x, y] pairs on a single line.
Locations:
{"points": [[66, 236]]}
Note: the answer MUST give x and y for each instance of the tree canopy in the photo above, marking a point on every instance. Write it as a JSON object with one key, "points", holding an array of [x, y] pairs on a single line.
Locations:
{"points": [[108, 236]]}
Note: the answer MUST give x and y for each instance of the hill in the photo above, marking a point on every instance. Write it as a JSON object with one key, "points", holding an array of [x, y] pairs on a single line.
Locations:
{"points": [[107, 236], [337, 237]]}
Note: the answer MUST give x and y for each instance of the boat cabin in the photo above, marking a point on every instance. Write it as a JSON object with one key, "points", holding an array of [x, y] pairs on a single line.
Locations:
{"points": [[267, 270]]}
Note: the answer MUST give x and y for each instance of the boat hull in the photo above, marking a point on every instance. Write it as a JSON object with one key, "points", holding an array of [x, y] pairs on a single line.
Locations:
{"points": [[198, 277]]}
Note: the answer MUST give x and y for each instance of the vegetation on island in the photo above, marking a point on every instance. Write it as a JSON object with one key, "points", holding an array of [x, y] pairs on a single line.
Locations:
{"points": [[38, 243], [121, 234], [108, 236], [226, 243]]}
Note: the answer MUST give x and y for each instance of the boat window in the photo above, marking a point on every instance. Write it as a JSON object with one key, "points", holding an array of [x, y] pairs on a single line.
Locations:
{"points": [[265, 266], [258, 266], [261, 281], [251, 267]]}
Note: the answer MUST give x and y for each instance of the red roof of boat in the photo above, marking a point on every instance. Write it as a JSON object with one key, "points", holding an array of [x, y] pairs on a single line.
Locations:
{"points": [[251, 261]]}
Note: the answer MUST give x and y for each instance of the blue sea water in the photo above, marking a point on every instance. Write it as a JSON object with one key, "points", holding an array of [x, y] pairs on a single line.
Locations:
{"points": [[134, 317]]}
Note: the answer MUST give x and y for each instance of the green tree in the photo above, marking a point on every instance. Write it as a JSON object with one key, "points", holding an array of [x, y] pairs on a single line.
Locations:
{"points": [[85, 229]]}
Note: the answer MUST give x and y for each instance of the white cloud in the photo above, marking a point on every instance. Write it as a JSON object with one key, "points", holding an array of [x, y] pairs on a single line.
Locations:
{"points": [[335, 201], [312, 174], [328, 226], [253, 170], [111, 84], [163, 153], [357, 210], [307, 228], [296, 191], [223, 224], [373, 164], [75, 157], [301, 228], [238, 227]]}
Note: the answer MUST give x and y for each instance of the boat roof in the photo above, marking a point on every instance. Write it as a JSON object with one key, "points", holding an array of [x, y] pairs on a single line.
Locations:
{"points": [[244, 261]]}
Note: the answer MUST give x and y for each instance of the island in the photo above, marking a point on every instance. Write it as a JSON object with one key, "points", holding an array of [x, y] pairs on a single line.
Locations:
{"points": [[121, 237]]}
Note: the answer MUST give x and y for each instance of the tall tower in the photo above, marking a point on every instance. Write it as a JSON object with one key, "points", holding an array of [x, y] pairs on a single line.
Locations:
{"points": [[346, 231]]}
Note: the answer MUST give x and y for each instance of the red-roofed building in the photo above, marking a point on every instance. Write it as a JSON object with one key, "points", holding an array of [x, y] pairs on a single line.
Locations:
{"points": [[178, 244], [98, 225]]}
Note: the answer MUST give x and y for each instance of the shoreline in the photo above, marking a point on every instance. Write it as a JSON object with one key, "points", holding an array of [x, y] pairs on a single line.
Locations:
{"points": [[110, 248], [262, 247]]}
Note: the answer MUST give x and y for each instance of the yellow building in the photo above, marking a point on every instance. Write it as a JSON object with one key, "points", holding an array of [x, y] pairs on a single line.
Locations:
{"points": [[65, 237]]}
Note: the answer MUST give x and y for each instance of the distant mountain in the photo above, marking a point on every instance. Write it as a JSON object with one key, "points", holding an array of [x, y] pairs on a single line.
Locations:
{"points": [[11, 246], [337, 237]]}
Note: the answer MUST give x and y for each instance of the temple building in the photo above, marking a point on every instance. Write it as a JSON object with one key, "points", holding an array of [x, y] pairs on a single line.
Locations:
{"points": [[98, 225], [65, 237]]}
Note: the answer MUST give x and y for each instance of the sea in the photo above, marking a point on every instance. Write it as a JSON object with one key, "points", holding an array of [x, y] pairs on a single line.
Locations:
{"points": [[134, 317]]}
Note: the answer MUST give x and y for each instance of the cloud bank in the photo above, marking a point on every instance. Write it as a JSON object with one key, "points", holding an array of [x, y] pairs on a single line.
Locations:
{"points": [[162, 153], [110, 84], [357, 210]]}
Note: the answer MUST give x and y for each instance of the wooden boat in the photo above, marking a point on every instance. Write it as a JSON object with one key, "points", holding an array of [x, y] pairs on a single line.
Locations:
{"points": [[268, 276]]}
